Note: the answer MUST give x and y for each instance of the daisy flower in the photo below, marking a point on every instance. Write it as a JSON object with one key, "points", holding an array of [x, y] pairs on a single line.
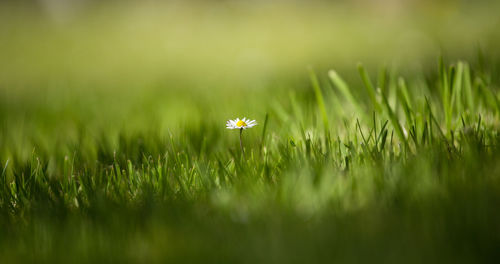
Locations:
{"points": [[240, 123]]}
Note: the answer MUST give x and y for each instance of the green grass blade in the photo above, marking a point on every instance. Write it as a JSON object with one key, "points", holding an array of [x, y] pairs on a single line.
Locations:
{"points": [[405, 99], [457, 87], [344, 89], [469, 96], [382, 79], [264, 130], [319, 100], [369, 86], [445, 93], [394, 121]]}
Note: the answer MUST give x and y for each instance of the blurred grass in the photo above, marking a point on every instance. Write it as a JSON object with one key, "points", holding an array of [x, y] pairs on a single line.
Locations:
{"points": [[113, 146]]}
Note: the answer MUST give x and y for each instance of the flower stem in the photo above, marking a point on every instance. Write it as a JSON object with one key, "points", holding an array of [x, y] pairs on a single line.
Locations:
{"points": [[241, 143]]}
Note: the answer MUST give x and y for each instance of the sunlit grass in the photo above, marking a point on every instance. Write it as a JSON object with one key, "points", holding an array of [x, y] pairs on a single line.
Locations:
{"points": [[113, 144], [399, 167]]}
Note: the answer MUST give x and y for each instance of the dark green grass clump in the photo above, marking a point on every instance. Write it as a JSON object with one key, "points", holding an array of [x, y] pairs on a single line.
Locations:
{"points": [[401, 169]]}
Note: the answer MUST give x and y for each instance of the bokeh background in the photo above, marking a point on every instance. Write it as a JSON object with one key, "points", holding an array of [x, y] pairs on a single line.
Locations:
{"points": [[245, 41], [88, 87], [165, 63]]}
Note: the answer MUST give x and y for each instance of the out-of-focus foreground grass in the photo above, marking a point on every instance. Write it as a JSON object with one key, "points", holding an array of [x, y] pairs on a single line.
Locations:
{"points": [[113, 146]]}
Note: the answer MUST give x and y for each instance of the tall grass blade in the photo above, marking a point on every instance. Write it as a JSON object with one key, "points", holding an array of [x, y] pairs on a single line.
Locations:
{"points": [[264, 130], [394, 120], [405, 99], [320, 101], [369, 86], [445, 93], [344, 89], [457, 87], [469, 96]]}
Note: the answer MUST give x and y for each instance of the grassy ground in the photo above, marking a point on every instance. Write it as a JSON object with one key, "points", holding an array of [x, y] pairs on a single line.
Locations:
{"points": [[410, 176], [104, 159]]}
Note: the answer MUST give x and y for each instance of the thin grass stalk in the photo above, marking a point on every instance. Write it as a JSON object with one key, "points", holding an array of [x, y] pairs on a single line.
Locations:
{"points": [[241, 143], [369, 86], [320, 101]]}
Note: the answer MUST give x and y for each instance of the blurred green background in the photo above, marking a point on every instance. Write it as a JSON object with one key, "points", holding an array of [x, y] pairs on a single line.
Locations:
{"points": [[137, 63], [202, 42], [233, 44], [98, 98]]}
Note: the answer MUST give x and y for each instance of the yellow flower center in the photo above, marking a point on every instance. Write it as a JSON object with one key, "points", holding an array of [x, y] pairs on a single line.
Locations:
{"points": [[241, 123]]}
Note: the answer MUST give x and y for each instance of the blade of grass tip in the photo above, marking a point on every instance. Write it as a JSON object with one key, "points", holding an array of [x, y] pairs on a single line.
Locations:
{"points": [[405, 99], [358, 126], [370, 136], [469, 96], [365, 141], [4, 175], [344, 89], [457, 87], [404, 92], [381, 146], [5, 167], [305, 139], [464, 126], [319, 100], [418, 122], [394, 120], [382, 78], [264, 130], [478, 127], [423, 138], [452, 70], [369, 86], [434, 119], [382, 129], [413, 135], [445, 92], [392, 97], [338, 107]]}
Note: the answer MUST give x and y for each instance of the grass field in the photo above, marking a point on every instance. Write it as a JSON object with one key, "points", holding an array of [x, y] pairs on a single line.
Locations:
{"points": [[114, 148]]}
